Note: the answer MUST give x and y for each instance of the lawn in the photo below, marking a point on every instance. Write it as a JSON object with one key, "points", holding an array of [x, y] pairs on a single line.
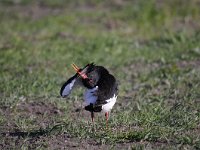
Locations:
{"points": [[152, 47]]}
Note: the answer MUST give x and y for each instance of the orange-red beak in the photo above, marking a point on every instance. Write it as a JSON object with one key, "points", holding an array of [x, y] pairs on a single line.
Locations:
{"points": [[77, 69]]}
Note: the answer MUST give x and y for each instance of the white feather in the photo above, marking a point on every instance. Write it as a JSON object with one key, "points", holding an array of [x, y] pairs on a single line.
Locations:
{"points": [[108, 106], [68, 88], [89, 96]]}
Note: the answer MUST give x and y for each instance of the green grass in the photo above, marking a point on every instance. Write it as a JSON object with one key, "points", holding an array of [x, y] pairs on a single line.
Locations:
{"points": [[151, 47]]}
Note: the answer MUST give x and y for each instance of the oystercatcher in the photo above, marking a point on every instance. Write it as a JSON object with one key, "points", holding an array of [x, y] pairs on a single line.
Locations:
{"points": [[102, 88]]}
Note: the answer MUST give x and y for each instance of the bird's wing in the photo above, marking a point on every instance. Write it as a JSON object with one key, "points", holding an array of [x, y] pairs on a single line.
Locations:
{"points": [[73, 81], [103, 97], [107, 89], [69, 85]]}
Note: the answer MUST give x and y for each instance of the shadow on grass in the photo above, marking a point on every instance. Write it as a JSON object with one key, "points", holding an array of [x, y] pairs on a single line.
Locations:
{"points": [[36, 133]]}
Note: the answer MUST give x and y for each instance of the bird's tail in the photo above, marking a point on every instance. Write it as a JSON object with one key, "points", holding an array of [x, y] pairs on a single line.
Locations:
{"points": [[93, 108]]}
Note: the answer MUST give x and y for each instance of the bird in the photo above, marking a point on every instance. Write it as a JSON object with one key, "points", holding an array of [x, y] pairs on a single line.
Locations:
{"points": [[101, 88]]}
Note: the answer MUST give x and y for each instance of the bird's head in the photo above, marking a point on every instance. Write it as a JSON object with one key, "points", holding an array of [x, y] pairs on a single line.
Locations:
{"points": [[89, 75]]}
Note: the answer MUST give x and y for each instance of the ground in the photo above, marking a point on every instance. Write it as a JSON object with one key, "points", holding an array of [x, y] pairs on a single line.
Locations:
{"points": [[152, 48]]}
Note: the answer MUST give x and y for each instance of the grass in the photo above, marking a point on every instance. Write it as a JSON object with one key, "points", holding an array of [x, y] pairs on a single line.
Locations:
{"points": [[151, 47]]}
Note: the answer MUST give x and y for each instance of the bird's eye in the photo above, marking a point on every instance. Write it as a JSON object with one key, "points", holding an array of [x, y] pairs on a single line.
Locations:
{"points": [[90, 81]]}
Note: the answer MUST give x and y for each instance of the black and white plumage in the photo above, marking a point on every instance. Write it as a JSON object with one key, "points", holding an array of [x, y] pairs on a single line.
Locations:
{"points": [[101, 93]]}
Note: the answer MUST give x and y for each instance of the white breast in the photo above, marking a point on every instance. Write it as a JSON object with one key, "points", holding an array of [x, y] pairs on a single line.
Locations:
{"points": [[108, 106], [90, 97]]}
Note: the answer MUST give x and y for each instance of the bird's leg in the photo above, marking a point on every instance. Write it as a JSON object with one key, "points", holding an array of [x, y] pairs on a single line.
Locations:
{"points": [[92, 116], [107, 115]]}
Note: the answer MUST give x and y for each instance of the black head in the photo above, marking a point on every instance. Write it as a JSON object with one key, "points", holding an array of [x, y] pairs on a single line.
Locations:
{"points": [[93, 75]]}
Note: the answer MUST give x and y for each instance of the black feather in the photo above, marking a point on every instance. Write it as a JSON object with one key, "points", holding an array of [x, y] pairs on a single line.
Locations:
{"points": [[93, 108]]}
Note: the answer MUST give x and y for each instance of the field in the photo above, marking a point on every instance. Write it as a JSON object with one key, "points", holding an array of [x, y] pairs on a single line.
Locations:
{"points": [[152, 47]]}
